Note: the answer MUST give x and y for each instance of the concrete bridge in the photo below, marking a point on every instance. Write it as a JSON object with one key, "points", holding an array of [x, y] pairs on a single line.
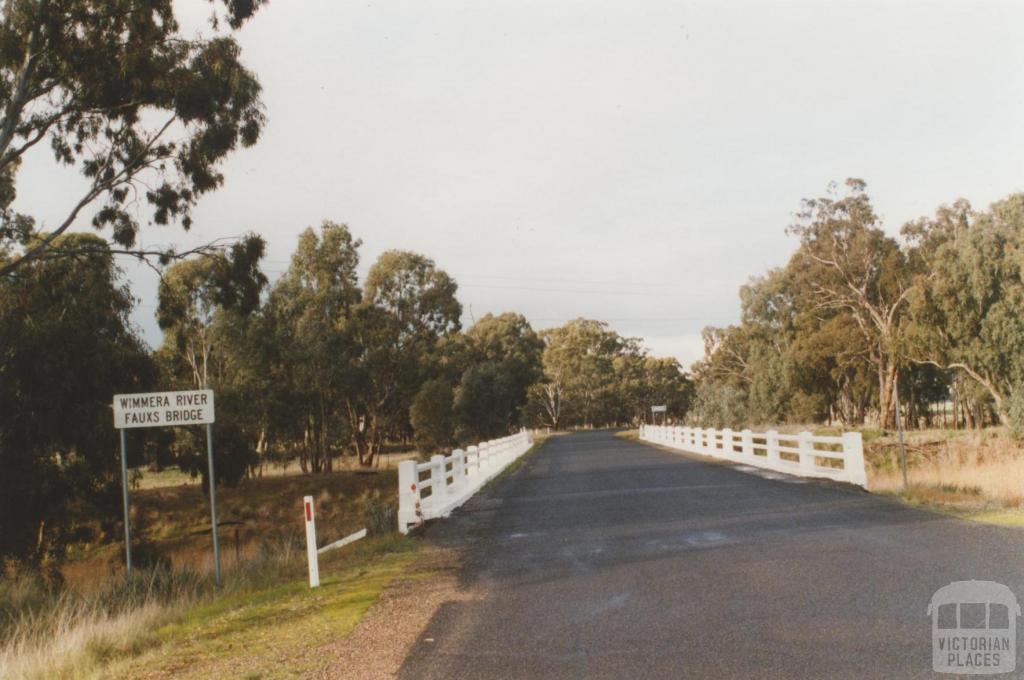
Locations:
{"points": [[605, 558]]}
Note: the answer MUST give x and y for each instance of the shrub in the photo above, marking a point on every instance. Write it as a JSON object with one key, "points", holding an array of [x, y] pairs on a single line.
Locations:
{"points": [[718, 405], [1015, 411]]}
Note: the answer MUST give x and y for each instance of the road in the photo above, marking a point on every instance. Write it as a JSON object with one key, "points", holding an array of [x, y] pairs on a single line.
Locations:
{"points": [[606, 558]]}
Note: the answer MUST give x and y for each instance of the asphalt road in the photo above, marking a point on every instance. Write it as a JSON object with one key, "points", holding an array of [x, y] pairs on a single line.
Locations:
{"points": [[604, 558]]}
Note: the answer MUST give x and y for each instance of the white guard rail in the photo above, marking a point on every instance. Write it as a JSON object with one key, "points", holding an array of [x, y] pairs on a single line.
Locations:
{"points": [[806, 455], [452, 479]]}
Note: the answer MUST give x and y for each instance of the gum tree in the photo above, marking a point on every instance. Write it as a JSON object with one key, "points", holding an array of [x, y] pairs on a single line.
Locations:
{"points": [[116, 90]]}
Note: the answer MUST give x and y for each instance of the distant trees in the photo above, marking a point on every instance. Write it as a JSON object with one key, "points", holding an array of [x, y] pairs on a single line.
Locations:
{"points": [[856, 312], [592, 376]]}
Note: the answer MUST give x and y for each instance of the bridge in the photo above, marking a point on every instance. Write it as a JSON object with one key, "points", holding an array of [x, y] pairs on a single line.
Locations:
{"points": [[600, 557]]}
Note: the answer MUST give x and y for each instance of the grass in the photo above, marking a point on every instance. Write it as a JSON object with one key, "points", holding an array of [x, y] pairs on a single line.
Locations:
{"points": [[262, 623], [97, 623], [172, 524], [977, 475], [273, 631]]}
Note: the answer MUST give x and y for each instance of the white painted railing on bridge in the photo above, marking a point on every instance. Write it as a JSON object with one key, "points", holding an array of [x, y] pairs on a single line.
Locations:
{"points": [[451, 480], [806, 455]]}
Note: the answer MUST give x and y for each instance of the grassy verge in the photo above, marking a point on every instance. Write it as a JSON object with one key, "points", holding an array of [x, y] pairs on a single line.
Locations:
{"points": [[272, 631], [265, 622]]}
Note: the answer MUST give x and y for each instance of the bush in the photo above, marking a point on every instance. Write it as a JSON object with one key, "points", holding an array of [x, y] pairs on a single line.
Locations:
{"points": [[718, 405], [431, 415], [381, 517], [1015, 411]]}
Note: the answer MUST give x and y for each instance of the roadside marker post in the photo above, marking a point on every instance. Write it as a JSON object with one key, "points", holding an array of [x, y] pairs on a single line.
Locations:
{"points": [[166, 409], [311, 554]]}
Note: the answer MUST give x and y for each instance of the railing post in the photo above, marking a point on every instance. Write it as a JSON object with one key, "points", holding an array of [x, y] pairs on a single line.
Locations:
{"points": [[747, 439], [438, 480], [408, 495], [853, 459], [727, 442], [473, 459], [458, 468], [806, 452], [771, 441]]}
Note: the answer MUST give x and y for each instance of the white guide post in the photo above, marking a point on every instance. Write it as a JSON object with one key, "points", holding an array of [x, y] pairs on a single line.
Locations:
{"points": [[314, 565]]}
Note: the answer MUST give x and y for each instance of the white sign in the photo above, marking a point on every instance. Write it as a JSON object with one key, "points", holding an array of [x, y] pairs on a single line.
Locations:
{"points": [[163, 409], [659, 409]]}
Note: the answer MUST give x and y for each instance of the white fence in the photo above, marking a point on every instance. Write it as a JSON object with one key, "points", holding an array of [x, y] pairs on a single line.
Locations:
{"points": [[806, 455], [451, 480]]}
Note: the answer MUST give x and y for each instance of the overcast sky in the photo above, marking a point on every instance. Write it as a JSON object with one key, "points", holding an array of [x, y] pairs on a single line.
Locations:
{"points": [[634, 162]]}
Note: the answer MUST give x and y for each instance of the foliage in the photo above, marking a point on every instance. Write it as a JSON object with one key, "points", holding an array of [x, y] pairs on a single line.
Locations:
{"points": [[719, 405], [58, 448], [122, 95], [431, 416], [592, 376], [1015, 411]]}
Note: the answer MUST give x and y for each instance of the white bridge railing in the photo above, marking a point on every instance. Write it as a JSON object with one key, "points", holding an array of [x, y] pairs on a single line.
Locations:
{"points": [[452, 479], [806, 455]]}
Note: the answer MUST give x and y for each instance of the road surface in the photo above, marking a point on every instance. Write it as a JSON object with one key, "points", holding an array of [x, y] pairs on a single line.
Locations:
{"points": [[606, 558]]}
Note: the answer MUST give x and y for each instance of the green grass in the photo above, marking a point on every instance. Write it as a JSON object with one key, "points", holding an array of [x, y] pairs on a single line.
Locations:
{"points": [[270, 631]]}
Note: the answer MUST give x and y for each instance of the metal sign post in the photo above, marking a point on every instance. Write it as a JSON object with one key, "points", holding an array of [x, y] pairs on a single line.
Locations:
{"points": [[124, 489], [213, 503], [166, 409]]}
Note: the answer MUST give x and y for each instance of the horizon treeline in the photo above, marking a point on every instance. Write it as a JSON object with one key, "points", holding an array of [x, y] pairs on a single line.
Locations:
{"points": [[857, 315], [315, 366]]}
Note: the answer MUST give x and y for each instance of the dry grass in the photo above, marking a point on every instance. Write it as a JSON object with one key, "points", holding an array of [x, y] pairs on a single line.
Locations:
{"points": [[964, 469], [172, 524], [170, 623], [99, 618]]}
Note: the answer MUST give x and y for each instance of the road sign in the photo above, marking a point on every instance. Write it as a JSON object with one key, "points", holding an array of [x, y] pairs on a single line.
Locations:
{"points": [[166, 409], [163, 409], [659, 409]]}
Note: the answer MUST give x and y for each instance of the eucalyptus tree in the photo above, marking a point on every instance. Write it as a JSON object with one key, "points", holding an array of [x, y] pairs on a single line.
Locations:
{"points": [[58, 450], [502, 359], [967, 311], [847, 265], [192, 291], [312, 308], [579, 373], [409, 306], [118, 91]]}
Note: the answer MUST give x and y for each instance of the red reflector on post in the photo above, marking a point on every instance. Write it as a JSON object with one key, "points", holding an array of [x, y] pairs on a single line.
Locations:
{"points": [[309, 513]]}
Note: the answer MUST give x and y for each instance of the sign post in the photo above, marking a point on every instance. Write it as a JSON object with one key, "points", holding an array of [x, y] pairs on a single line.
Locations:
{"points": [[213, 502], [655, 410], [124, 489], [166, 409]]}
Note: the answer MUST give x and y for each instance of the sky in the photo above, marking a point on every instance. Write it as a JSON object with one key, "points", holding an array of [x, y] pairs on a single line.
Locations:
{"points": [[630, 162]]}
